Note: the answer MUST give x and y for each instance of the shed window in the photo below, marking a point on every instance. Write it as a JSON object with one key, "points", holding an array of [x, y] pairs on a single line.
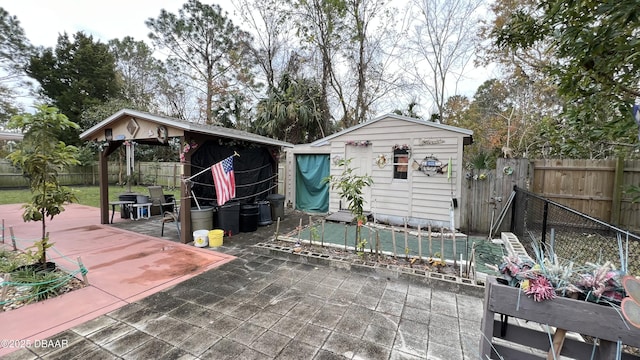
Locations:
{"points": [[400, 163]]}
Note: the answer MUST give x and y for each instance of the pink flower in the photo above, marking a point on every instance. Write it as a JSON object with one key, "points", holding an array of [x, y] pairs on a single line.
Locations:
{"points": [[540, 289]]}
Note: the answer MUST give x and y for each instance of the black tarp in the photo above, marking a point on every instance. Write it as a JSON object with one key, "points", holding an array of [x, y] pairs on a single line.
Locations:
{"points": [[253, 171]]}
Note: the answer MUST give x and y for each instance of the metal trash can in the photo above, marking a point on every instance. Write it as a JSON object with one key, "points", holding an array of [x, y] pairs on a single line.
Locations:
{"points": [[229, 218], [249, 214], [265, 213], [124, 210], [277, 206]]}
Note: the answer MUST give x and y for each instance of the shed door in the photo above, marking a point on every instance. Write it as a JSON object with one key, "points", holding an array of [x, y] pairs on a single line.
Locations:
{"points": [[312, 194], [361, 164]]}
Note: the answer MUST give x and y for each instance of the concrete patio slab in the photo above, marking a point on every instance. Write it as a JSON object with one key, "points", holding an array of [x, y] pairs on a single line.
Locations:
{"points": [[123, 266]]}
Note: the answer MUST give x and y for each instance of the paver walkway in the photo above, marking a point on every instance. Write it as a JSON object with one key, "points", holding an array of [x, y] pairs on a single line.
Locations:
{"points": [[258, 307], [261, 307]]}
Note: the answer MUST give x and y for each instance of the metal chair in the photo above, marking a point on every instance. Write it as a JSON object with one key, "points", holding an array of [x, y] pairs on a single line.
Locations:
{"points": [[171, 216], [160, 202]]}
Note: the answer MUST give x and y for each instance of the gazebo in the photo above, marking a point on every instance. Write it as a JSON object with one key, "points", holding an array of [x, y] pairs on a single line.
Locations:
{"points": [[209, 144]]}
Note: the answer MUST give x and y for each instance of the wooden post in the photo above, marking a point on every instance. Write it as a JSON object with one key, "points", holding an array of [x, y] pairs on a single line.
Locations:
{"points": [[618, 184], [406, 241], [378, 244], [430, 242], [13, 239], [455, 253], [345, 237], [322, 237], [393, 241], [442, 244], [84, 274], [277, 228], [299, 229], [370, 241], [5, 289], [310, 232], [420, 243]]}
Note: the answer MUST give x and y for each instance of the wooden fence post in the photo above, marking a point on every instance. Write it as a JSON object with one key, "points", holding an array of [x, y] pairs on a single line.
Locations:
{"points": [[616, 201]]}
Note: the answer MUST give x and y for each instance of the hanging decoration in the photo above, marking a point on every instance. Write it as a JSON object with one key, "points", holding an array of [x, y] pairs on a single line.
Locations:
{"points": [[507, 170], [358, 143], [381, 161], [402, 147], [431, 164], [186, 148]]}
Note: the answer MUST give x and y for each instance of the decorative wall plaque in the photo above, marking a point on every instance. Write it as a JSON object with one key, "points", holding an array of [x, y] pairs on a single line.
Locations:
{"points": [[133, 127]]}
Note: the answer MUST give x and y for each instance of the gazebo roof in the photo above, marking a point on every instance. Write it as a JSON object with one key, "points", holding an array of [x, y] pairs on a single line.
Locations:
{"points": [[130, 120]]}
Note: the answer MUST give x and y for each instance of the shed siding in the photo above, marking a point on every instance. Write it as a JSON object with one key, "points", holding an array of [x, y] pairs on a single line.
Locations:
{"points": [[420, 195]]}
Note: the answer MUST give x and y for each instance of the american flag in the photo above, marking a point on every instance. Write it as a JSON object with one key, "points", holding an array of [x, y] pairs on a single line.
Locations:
{"points": [[224, 180]]}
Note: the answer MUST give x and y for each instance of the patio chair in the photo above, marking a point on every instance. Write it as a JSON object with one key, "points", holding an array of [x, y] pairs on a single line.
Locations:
{"points": [[172, 216], [160, 202]]}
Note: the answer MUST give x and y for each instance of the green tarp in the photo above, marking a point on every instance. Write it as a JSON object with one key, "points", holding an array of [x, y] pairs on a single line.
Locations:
{"points": [[312, 194]]}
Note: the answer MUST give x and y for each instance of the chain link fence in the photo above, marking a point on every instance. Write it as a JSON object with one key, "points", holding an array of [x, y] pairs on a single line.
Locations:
{"points": [[571, 235]]}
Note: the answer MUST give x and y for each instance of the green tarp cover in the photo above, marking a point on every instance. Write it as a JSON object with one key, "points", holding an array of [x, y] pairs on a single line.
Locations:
{"points": [[312, 194]]}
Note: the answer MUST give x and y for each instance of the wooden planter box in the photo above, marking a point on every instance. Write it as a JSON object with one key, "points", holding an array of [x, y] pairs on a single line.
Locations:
{"points": [[598, 321]]}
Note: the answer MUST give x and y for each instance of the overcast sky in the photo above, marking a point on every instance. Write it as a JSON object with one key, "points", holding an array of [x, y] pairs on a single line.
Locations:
{"points": [[43, 20]]}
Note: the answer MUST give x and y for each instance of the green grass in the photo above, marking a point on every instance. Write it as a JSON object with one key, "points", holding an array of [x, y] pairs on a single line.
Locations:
{"points": [[87, 195]]}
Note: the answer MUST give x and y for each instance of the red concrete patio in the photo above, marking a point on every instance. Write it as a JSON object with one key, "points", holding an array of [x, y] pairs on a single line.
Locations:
{"points": [[123, 267]]}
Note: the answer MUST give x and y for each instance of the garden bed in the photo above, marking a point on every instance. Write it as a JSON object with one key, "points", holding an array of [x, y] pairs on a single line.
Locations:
{"points": [[23, 284]]}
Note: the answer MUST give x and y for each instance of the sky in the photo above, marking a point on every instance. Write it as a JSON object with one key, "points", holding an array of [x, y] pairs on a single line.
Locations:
{"points": [[44, 20]]}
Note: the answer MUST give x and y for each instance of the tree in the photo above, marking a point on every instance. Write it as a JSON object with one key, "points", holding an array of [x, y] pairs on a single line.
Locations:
{"points": [[410, 111], [320, 25], [269, 22], [15, 51], [139, 73], [41, 157], [213, 51], [74, 76], [367, 51], [595, 66], [291, 112], [442, 42]]}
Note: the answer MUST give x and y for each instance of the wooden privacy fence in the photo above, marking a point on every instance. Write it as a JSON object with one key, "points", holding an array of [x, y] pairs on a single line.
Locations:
{"points": [[167, 174], [152, 173], [598, 188]]}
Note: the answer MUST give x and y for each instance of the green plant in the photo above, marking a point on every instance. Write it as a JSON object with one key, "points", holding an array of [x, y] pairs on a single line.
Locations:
{"points": [[314, 233], [10, 260], [41, 157], [350, 188], [43, 284], [362, 244]]}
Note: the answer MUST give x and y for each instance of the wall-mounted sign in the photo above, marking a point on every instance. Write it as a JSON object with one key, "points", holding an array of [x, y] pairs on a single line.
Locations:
{"points": [[430, 164], [431, 141], [133, 127]]}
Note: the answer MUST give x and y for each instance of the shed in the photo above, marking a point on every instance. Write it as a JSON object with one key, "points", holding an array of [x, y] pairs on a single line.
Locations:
{"points": [[415, 165], [256, 167]]}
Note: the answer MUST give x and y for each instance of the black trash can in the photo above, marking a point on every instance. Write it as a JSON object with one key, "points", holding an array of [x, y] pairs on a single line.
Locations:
{"points": [[249, 217], [229, 218], [265, 213], [124, 210], [277, 206]]}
